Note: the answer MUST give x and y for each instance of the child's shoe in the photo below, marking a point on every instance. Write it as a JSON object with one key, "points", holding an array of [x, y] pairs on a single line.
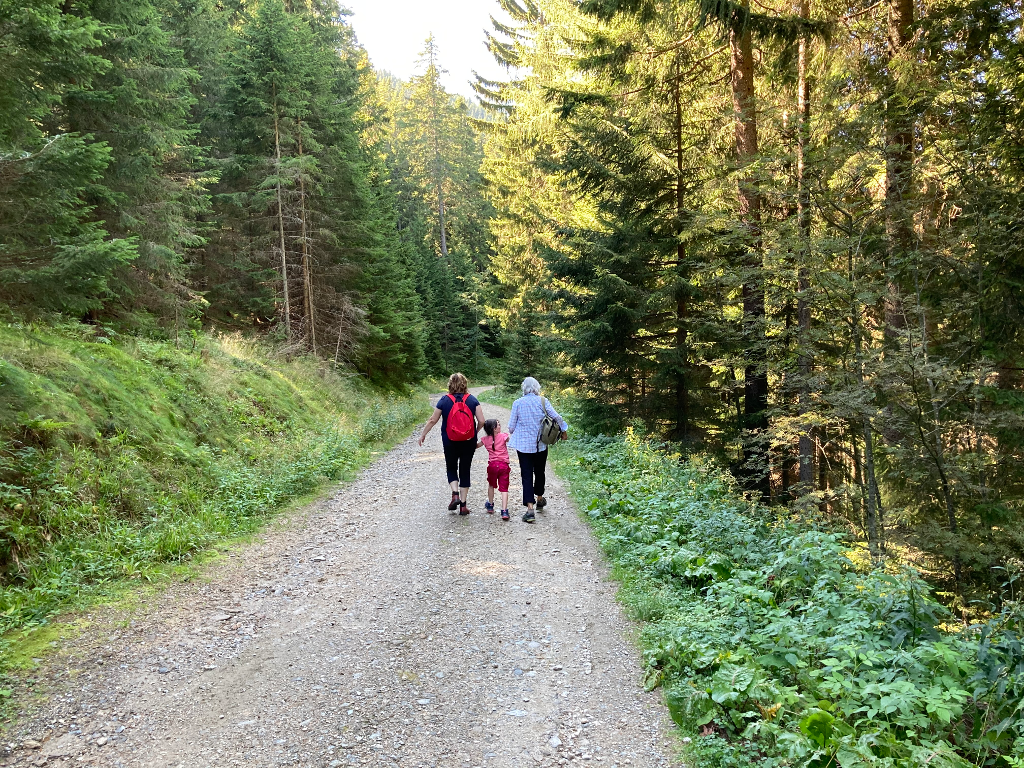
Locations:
{"points": [[541, 502], [505, 515], [529, 517], [454, 504], [489, 506]]}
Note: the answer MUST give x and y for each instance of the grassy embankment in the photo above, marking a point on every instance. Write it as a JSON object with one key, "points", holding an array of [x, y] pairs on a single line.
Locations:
{"points": [[122, 458], [773, 645]]}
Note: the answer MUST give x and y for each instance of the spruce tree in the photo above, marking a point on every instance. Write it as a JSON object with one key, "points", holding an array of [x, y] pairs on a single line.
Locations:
{"points": [[54, 252], [434, 156], [139, 107]]}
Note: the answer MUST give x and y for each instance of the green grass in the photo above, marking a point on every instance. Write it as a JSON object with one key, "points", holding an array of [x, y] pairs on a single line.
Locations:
{"points": [[123, 458], [773, 645], [500, 397]]}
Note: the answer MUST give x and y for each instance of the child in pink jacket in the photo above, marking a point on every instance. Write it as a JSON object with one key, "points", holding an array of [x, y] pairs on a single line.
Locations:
{"points": [[498, 468]]}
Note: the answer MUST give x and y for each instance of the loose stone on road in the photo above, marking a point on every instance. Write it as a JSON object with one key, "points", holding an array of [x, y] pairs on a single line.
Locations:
{"points": [[381, 630]]}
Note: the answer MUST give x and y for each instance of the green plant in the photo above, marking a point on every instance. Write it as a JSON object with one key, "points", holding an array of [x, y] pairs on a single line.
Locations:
{"points": [[770, 641]]}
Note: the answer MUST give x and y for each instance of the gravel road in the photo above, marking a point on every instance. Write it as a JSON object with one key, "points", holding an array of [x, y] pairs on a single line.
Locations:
{"points": [[377, 629]]}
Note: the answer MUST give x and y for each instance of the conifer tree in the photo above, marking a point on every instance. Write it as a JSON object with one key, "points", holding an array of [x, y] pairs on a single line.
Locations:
{"points": [[434, 155], [117, 122], [392, 353], [89, 145], [268, 98], [139, 107], [872, 400]]}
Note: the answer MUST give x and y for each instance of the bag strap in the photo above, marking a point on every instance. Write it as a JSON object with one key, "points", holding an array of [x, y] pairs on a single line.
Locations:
{"points": [[544, 403], [544, 407]]}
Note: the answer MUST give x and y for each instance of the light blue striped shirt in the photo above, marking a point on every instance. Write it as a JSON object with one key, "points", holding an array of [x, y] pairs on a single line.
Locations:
{"points": [[524, 424]]}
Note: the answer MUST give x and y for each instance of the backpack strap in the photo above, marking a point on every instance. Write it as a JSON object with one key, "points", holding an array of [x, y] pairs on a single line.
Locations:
{"points": [[544, 407]]}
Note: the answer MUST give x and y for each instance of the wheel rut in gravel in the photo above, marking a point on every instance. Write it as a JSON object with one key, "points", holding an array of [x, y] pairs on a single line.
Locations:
{"points": [[380, 630]]}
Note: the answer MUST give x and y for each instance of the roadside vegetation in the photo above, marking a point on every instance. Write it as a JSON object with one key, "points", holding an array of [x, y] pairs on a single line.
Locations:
{"points": [[500, 395], [122, 454], [776, 643]]}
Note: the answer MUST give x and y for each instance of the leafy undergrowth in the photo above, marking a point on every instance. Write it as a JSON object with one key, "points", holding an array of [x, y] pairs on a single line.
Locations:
{"points": [[120, 455], [772, 646]]}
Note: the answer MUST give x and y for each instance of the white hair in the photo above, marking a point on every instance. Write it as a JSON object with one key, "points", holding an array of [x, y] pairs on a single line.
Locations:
{"points": [[531, 386]]}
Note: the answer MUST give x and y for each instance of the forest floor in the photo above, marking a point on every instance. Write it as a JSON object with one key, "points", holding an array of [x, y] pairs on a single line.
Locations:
{"points": [[372, 628]]}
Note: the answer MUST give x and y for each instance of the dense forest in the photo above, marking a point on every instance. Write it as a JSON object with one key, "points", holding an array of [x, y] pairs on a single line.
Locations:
{"points": [[787, 235], [171, 165]]}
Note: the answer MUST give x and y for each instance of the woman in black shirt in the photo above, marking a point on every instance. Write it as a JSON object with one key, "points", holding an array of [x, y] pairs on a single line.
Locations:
{"points": [[458, 454]]}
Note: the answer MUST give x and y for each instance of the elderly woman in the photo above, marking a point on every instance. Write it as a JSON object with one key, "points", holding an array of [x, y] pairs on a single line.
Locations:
{"points": [[524, 425], [458, 451]]}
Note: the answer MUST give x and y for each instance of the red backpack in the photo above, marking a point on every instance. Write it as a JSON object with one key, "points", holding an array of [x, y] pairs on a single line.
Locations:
{"points": [[461, 423]]}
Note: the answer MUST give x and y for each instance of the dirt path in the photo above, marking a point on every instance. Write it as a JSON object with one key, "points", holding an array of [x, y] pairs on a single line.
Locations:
{"points": [[382, 631]]}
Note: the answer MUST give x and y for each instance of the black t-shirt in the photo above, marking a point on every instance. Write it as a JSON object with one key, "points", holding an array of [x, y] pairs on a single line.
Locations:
{"points": [[445, 404]]}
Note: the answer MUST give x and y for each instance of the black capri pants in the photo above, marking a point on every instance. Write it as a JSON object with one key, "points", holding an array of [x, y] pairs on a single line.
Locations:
{"points": [[458, 460], [532, 466]]}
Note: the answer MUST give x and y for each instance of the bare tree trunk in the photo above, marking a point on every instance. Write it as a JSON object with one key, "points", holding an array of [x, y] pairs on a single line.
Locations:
{"points": [[857, 497], [307, 278], [755, 385], [939, 448], [803, 216], [871, 513], [822, 466], [899, 162], [280, 220], [438, 175], [682, 391]]}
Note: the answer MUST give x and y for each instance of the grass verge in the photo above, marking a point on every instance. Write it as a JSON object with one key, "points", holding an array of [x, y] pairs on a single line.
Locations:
{"points": [[774, 647], [124, 460]]}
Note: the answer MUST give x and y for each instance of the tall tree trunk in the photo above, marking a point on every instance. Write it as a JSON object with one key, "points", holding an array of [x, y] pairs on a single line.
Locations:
{"points": [[438, 169], [899, 162], [872, 497], [857, 495], [803, 217], [682, 391], [939, 450], [307, 277], [440, 219], [871, 510], [280, 220], [755, 385], [822, 466]]}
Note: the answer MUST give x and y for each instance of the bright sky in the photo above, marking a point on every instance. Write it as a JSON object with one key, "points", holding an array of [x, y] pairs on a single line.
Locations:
{"points": [[393, 31]]}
